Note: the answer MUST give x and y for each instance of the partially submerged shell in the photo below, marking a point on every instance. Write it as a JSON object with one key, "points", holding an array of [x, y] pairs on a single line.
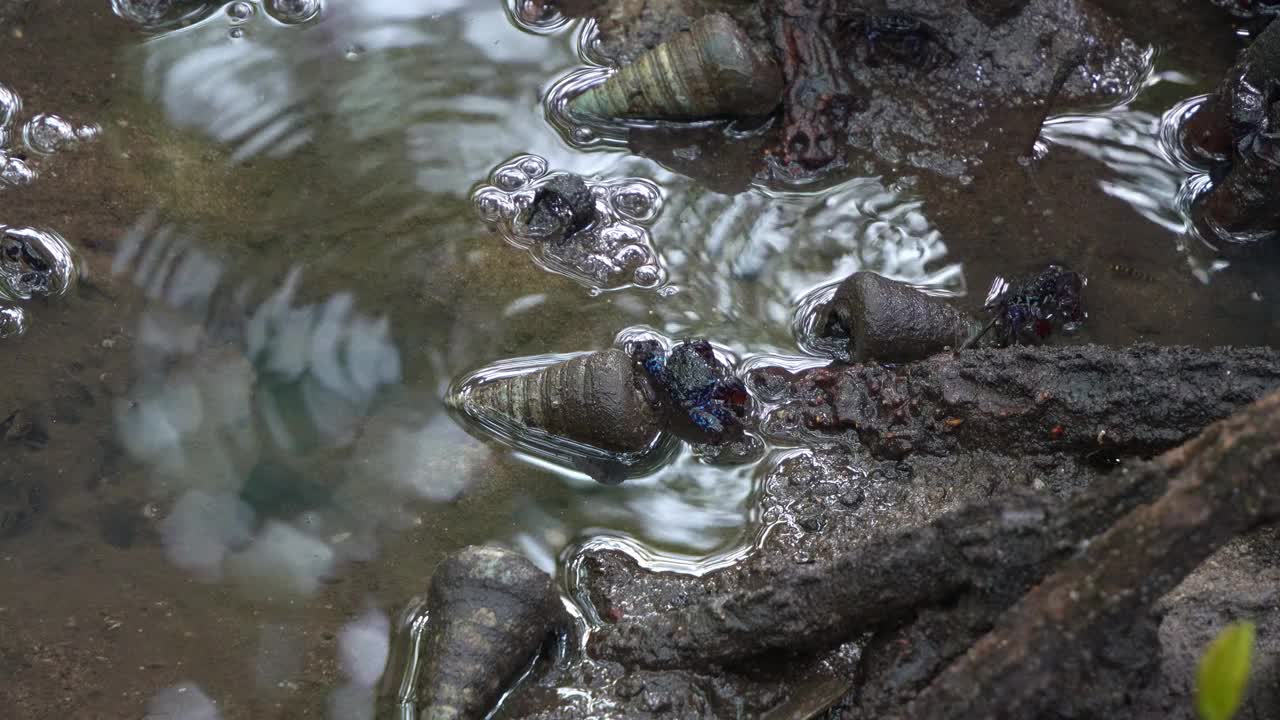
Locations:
{"points": [[891, 321], [712, 71], [598, 399], [489, 612]]}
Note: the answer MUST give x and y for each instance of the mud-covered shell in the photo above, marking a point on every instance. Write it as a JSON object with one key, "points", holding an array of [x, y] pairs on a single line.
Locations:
{"points": [[890, 321], [490, 610], [712, 71], [596, 399]]}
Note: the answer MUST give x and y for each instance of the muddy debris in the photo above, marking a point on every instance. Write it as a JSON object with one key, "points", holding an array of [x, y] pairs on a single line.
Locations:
{"points": [[560, 208], [490, 611], [1096, 402], [1219, 485]]}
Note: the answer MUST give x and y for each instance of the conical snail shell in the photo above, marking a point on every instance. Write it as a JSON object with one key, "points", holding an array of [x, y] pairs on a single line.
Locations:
{"points": [[714, 70], [489, 610], [594, 399], [891, 321]]}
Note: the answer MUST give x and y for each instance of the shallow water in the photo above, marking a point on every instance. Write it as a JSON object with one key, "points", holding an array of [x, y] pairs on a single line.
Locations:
{"points": [[248, 469]]}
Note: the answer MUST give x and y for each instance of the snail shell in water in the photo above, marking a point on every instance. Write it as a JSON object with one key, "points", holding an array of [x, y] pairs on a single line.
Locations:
{"points": [[891, 321], [489, 611], [597, 399], [714, 70]]}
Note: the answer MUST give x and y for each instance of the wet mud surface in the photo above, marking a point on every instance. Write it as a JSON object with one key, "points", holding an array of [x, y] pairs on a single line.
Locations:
{"points": [[102, 621]]}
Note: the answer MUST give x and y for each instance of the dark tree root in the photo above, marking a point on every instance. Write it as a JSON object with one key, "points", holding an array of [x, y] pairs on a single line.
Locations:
{"points": [[996, 550], [1117, 548], [1096, 401], [1221, 484]]}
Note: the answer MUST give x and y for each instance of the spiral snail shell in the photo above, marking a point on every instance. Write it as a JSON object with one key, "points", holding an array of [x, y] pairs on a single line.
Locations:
{"points": [[714, 70], [489, 611], [598, 399], [891, 321]]}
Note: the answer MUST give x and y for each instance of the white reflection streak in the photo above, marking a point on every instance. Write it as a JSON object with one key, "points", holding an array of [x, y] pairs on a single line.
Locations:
{"points": [[239, 93], [364, 645], [1128, 143]]}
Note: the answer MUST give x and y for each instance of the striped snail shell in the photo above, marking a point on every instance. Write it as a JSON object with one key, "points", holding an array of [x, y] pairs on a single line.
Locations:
{"points": [[596, 399], [714, 70], [489, 610]]}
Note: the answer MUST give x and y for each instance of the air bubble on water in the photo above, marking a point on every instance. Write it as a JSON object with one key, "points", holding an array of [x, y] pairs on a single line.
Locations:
{"points": [[10, 105], [88, 132], [493, 205], [15, 171], [13, 321], [533, 166], [161, 14], [46, 133], [353, 52], [614, 251], [294, 12], [235, 33], [239, 11], [510, 178], [34, 263], [636, 200], [539, 18], [583, 135], [647, 276]]}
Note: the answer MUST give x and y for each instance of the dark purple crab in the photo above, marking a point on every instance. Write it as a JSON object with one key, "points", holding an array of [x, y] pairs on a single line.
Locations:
{"points": [[704, 400], [1029, 312]]}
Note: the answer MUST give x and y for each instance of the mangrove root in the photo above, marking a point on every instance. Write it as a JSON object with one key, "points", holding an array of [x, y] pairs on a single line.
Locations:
{"points": [[1107, 403]]}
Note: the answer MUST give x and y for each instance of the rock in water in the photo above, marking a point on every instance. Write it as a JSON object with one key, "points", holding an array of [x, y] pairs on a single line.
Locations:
{"points": [[490, 610], [560, 209], [712, 71], [597, 399], [890, 321]]}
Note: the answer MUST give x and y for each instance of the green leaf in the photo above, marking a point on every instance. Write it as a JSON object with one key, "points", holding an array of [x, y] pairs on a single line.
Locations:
{"points": [[1224, 672]]}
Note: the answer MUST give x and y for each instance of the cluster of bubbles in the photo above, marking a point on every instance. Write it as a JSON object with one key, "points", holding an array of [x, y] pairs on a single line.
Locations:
{"points": [[161, 15], [42, 134], [614, 251], [33, 263]]}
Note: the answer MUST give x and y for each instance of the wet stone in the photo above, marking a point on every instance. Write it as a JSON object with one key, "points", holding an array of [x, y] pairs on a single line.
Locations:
{"points": [[561, 208]]}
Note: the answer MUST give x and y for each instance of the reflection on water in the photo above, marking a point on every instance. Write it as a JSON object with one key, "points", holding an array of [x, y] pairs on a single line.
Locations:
{"points": [[305, 321], [1148, 170]]}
